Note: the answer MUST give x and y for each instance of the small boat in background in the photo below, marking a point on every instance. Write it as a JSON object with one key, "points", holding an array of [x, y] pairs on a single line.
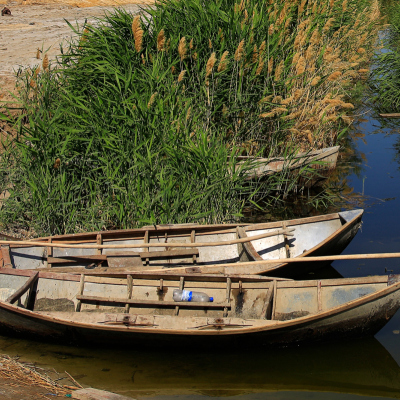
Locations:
{"points": [[312, 166], [245, 311], [202, 248]]}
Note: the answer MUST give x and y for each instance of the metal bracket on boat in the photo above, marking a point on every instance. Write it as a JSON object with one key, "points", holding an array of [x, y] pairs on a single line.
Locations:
{"points": [[219, 323], [128, 320]]}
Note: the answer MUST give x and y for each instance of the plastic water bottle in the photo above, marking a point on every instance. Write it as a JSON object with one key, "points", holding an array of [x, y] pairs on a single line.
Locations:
{"points": [[188, 295]]}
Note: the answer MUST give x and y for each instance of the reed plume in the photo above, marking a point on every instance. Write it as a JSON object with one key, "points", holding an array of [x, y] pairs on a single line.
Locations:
{"points": [[279, 70], [270, 65], [182, 48], [210, 44], [239, 51], [335, 75], [267, 115], [271, 29], [315, 81], [137, 33], [255, 54], [300, 66], [210, 64], [328, 25], [265, 99], [260, 66], [152, 99], [161, 40], [45, 63], [223, 63], [181, 75], [38, 54], [263, 46], [191, 46]]}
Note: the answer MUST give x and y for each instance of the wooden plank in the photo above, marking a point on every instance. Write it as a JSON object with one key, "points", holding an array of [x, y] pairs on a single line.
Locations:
{"points": [[124, 259], [248, 247], [23, 289], [287, 249], [80, 293], [146, 240], [155, 254], [77, 259], [193, 240], [140, 302], [95, 394], [181, 284], [130, 234], [274, 291], [49, 254], [140, 245], [228, 295], [46, 274], [5, 250], [129, 291], [267, 309], [99, 240], [319, 296]]}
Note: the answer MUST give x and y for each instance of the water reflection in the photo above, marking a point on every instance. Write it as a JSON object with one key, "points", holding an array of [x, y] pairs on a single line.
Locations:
{"points": [[363, 367]]}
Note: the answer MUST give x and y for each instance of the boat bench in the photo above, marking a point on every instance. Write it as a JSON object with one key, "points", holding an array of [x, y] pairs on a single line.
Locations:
{"points": [[138, 302], [135, 258]]}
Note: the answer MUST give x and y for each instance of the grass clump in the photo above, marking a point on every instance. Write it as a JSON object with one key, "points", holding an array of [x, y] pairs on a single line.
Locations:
{"points": [[141, 119]]}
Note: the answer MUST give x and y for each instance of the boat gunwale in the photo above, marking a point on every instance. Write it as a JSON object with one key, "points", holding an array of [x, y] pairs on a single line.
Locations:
{"points": [[200, 230]]}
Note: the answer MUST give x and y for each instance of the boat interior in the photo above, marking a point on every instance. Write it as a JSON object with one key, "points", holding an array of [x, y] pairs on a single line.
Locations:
{"points": [[146, 300]]}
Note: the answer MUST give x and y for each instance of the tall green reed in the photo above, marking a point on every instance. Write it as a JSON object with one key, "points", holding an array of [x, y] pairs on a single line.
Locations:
{"points": [[140, 121]]}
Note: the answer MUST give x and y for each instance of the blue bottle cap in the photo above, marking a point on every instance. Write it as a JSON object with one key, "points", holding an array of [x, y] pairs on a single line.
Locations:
{"points": [[211, 299]]}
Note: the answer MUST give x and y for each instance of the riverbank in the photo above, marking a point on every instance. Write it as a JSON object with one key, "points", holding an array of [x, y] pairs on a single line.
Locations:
{"points": [[27, 381]]}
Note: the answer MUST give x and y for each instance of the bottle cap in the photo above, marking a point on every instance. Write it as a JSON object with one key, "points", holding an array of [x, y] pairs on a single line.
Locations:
{"points": [[211, 299]]}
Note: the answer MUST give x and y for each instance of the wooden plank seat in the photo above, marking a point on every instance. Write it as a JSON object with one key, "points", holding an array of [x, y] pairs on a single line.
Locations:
{"points": [[137, 302], [181, 253]]}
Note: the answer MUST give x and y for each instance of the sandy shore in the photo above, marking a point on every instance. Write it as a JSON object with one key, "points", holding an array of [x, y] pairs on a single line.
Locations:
{"points": [[41, 25]]}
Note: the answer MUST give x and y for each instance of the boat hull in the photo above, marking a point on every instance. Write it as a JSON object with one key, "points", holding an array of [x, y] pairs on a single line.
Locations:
{"points": [[362, 316]]}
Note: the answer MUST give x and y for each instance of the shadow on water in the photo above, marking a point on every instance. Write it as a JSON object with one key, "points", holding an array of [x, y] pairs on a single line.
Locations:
{"points": [[362, 367]]}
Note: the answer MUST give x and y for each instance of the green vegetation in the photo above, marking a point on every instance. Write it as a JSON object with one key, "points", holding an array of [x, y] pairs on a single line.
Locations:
{"points": [[385, 77], [141, 119]]}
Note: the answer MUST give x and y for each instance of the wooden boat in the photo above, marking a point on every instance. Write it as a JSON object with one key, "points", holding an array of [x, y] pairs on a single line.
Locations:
{"points": [[323, 161], [155, 247], [247, 310]]}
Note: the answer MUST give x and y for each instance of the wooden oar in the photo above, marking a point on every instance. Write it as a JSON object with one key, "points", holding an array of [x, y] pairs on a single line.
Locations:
{"points": [[287, 232], [237, 266], [391, 115]]}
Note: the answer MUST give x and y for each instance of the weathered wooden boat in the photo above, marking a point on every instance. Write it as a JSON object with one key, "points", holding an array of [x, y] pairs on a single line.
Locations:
{"points": [[157, 247], [321, 162], [246, 310]]}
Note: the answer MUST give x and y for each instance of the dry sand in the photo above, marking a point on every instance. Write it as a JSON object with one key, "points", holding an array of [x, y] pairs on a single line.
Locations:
{"points": [[41, 25]]}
